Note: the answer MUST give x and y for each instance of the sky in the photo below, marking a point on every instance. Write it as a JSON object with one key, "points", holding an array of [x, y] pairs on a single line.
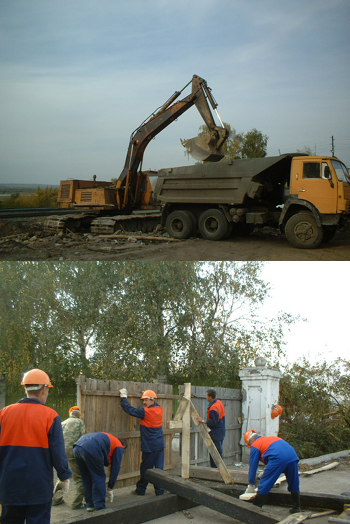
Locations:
{"points": [[317, 291], [78, 77]]}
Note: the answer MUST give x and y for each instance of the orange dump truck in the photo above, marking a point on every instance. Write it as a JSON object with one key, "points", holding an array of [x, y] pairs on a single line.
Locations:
{"points": [[306, 197]]}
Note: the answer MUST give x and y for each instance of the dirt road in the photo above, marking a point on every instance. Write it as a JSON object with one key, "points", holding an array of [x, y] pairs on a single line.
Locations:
{"points": [[26, 241]]}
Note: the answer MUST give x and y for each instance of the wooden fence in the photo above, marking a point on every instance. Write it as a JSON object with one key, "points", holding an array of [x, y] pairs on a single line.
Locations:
{"points": [[232, 401], [99, 401]]}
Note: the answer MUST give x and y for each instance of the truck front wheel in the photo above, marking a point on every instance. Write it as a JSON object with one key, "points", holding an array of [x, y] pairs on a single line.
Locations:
{"points": [[179, 224], [303, 232], [213, 224]]}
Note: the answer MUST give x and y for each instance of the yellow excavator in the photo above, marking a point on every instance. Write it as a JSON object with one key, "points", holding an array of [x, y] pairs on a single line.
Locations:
{"points": [[132, 194]]}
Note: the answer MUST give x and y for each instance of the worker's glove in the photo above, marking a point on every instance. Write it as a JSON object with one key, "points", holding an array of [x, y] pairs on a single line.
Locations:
{"points": [[249, 493], [65, 485], [110, 496], [123, 393]]}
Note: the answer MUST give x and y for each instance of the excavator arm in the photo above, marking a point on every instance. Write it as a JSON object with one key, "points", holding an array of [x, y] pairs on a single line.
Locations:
{"points": [[203, 147]]}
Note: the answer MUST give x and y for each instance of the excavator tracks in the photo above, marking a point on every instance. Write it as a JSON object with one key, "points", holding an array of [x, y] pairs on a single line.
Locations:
{"points": [[61, 223], [84, 223], [128, 223]]}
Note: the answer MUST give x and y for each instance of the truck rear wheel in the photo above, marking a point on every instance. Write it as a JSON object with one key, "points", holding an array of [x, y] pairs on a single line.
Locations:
{"points": [[180, 224], [303, 232], [213, 224]]}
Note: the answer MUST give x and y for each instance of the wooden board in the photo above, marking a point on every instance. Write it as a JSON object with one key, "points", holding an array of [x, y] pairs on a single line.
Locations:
{"points": [[283, 498], [220, 464], [205, 473], [205, 496], [137, 512], [295, 519]]}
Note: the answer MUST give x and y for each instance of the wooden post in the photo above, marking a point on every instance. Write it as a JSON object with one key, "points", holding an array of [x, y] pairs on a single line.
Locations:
{"points": [[186, 434]]}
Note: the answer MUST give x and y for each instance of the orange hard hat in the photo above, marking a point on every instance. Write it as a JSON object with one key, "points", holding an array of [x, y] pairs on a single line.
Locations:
{"points": [[37, 377], [248, 434], [74, 408], [276, 411], [149, 394]]}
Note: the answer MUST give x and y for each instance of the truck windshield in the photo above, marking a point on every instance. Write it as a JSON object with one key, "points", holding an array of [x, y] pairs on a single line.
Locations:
{"points": [[341, 171]]}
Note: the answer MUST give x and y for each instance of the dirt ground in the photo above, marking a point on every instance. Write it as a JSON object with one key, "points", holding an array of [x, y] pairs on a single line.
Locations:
{"points": [[25, 240], [334, 481]]}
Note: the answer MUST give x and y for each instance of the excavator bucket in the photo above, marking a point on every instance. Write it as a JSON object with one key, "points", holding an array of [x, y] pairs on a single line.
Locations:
{"points": [[203, 148]]}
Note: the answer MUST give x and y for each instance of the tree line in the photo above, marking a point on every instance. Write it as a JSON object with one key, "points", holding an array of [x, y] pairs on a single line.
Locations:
{"points": [[46, 197], [184, 321], [135, 320]]}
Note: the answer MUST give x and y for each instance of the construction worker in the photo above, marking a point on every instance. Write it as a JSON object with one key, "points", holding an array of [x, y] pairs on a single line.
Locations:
{"points": [[152, 437], [279, 457], [215, 422], [73, 428], [31, 445], [93, 452]]}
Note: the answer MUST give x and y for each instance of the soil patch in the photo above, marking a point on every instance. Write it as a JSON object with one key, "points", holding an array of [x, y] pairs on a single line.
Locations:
{"points": [[26, 240]]}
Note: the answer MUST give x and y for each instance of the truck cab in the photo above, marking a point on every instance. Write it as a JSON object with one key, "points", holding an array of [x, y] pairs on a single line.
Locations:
{"points": [[318, 201]]}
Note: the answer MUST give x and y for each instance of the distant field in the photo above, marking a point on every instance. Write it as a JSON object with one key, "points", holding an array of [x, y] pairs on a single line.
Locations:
{"points": [[9, 189]]}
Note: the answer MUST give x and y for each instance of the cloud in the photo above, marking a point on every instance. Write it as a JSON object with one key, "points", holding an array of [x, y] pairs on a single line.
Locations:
{"points": [[78, 77]]}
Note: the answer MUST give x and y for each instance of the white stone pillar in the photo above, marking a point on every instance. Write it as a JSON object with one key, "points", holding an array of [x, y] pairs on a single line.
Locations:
{"points": [[260, 388]]}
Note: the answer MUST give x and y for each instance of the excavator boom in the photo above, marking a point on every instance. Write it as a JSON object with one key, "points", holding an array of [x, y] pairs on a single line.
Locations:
{"points": [[203, 147]]}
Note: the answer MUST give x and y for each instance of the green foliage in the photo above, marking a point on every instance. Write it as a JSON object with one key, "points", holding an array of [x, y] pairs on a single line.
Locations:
{"points": [[316, 402], [306, 150], [252, 144], [46, 197], [135, 320]]}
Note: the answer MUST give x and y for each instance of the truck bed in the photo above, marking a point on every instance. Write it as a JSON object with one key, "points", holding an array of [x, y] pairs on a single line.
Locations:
{"points": [[230, 182]]}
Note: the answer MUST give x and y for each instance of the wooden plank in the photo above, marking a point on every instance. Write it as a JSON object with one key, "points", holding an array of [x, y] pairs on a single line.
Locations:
{"points": [[137, 512], [205, 473], [175, 424], [205, 496], [211, 447], [318, 470], [142, 237], [283, 498], [181, 409], [294, 519], [322, 514], [101, 393], [186, 434]]}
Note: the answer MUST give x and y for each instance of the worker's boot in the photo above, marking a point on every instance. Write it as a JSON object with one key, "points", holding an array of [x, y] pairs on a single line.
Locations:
{"points": [[295, 502], [260, 500]]}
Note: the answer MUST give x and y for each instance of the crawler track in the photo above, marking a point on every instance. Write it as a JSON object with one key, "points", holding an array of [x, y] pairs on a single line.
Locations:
{"points": [[60, 220]]}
